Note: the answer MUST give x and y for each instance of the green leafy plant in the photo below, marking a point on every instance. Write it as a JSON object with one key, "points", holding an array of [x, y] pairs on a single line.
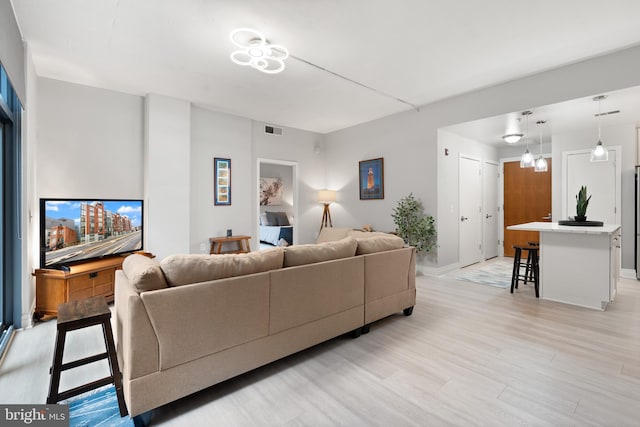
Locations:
{"points": [[415, 227], [582, 201]]}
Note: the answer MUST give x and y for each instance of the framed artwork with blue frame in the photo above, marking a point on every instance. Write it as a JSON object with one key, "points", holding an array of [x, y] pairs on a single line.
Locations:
{"points": [[222, 181], [371, 174]]}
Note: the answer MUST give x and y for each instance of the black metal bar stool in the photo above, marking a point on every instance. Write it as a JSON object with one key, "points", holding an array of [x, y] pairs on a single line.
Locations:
{"points": [[77, 315], [531, 267], [529, 270]]}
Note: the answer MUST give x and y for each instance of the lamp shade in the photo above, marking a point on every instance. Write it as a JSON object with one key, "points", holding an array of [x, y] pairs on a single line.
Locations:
{"points": [[326, 196]]}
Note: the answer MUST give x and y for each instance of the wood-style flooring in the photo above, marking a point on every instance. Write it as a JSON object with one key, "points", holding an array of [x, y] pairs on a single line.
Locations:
{"points": [[469, 355]]}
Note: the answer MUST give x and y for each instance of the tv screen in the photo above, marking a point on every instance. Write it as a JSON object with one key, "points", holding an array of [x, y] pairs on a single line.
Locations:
{"points": [[75, 230]]}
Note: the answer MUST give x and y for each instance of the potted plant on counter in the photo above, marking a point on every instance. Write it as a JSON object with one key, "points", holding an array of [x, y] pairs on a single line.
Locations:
{"points": [[582, 201]]}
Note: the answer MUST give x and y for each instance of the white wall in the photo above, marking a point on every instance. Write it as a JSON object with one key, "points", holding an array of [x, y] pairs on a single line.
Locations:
{"points": [[166, 175], [12, 51], [31, 218], [624, 136], [219, 135], [89, 142], [408, 141]]}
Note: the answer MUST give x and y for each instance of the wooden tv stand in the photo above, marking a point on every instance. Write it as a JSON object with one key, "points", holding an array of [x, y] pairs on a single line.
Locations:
{"points": [[89, 279]]}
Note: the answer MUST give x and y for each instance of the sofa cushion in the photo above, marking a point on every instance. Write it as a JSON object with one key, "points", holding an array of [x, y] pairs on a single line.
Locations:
{"points": [[309, 254], [379, 243], [330, 234], [195, 268], [143, 273]]}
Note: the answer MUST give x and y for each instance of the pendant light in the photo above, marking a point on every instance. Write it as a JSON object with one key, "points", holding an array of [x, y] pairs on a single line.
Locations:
{"points": [[599, 152], [527, 160], [541, 162]]}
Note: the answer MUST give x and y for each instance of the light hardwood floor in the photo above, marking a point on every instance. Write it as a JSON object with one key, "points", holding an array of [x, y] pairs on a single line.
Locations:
{"points": [[469, 355]]}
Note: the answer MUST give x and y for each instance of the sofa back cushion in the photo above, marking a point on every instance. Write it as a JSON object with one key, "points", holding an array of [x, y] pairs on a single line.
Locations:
{"points": [[194, 268], [309, 254], [378, 242], [330, 234], [143, 273]]}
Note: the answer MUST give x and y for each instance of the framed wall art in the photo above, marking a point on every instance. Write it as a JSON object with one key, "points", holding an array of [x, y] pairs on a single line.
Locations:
{"points": [[371, 174], [222, 181], [270, 191]]}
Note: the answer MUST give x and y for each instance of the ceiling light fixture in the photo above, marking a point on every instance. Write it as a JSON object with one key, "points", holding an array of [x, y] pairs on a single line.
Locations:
{"points": [[514, 133], [599, 152], [527, 160], [541, 162], [255, 51], [512, 138]]}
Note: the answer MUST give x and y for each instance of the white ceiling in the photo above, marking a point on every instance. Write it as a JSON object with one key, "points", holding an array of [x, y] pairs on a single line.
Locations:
{"points": [[419, 51]]}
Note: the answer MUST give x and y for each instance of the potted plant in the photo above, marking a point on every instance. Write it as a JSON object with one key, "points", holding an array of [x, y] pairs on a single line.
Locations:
{"points": [[582, 201], [415, 227]]}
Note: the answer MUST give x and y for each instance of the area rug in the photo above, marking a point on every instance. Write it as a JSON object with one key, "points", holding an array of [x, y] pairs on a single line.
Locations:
{"points": [[97, 408], [496, 273]]}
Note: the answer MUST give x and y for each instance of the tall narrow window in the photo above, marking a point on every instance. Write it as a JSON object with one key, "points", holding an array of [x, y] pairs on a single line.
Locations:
{"points": [[10, 214]]}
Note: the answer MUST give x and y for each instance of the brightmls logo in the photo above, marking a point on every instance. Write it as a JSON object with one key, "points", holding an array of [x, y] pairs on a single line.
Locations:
{"points": [[36, 415]]}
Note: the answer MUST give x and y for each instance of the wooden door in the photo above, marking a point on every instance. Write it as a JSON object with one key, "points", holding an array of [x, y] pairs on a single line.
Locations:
{"points": [[527, 198]]}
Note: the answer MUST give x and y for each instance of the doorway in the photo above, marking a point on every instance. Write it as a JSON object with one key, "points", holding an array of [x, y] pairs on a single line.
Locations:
{"points": [[527, 198], [285, 173]]}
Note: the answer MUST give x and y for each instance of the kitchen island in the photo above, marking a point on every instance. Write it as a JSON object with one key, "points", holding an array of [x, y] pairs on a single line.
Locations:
{"points": [[578, 265]]}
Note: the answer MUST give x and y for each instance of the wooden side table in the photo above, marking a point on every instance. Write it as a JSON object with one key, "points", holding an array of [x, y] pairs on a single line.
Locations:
{"points": [[242, 244]]}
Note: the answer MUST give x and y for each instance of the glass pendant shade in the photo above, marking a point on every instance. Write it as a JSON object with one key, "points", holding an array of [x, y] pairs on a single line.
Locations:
{"points": [[541, 164], [599, 153], [527, 161]]}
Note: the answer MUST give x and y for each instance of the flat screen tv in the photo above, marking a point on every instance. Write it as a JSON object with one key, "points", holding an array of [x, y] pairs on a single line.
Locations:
{"points": [[76, 230]]}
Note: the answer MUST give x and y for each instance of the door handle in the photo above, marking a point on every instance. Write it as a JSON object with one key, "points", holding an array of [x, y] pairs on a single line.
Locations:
{"points": [[463, 218], [488, 216]]}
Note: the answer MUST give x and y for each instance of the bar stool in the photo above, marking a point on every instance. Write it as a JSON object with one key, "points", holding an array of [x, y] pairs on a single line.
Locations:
{"points": [[531, 267], [529, 270], [77, 315]]}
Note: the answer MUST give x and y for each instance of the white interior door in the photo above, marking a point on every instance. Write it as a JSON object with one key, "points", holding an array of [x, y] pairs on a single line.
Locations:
{"points": [[602, 181], [490, 210], [470, 229]]}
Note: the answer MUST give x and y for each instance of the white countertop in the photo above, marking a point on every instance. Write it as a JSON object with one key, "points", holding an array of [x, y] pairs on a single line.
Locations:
{"points": [[554, 227]]}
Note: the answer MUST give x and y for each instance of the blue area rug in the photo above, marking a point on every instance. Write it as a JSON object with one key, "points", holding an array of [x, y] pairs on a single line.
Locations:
{"points": [[497, 274], [96, 408]]}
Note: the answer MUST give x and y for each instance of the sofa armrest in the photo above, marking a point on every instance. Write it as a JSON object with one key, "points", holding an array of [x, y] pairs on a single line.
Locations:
{"points": [[390, 282], [136, 341]]}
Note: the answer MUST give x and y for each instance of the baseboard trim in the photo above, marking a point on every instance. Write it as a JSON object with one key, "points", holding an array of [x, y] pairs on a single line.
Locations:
{"points": [[438, 271], [628, 273]]}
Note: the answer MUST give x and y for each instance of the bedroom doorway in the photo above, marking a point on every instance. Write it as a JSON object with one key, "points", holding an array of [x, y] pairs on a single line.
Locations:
{"points": [[277, 203]]}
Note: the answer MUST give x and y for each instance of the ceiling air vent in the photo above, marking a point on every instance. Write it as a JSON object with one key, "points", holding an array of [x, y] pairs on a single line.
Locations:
{"points": [[272, 130]]}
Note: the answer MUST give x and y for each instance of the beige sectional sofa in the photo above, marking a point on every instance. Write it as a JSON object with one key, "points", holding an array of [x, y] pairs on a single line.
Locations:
{"points": [[191, 321]]}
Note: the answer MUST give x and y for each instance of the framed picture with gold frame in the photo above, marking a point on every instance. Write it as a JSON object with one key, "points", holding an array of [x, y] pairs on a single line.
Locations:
{"points": [[371, 174], [222, 181]]}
